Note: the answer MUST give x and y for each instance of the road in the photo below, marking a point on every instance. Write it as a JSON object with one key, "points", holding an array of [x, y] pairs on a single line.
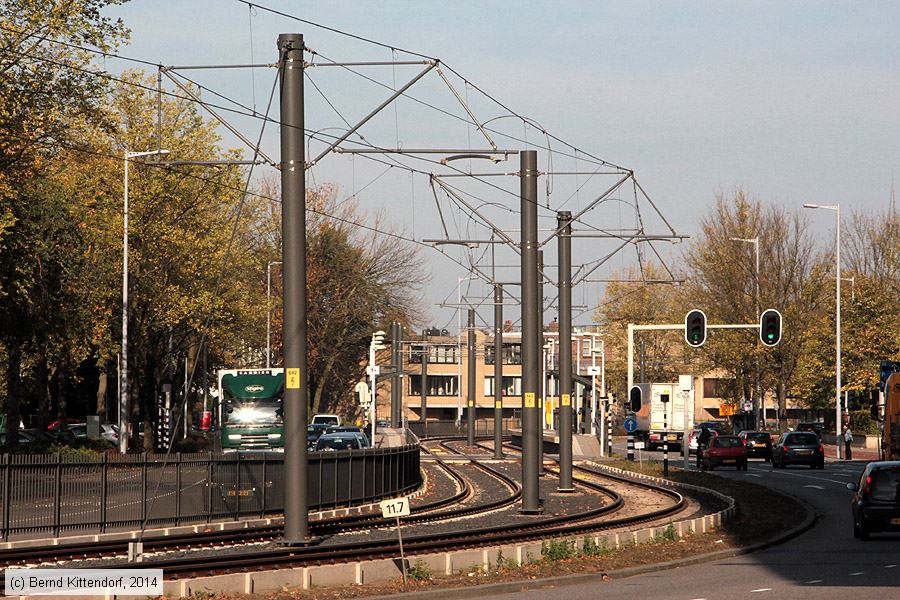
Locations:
{"points": [[823, 563]]}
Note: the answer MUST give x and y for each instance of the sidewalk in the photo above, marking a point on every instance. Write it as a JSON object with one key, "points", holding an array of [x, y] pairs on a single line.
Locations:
{"points": [[866, 454]]}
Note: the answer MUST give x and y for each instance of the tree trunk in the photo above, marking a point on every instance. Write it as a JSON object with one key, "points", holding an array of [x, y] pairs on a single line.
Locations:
{"points": [[102, 383], [62, 391], [13, 390], [42, 382], [782, 403]]}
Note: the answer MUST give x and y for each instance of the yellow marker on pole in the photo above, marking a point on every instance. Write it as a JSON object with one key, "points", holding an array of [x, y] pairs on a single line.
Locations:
{"points": [[292, 379], [529, 399]]}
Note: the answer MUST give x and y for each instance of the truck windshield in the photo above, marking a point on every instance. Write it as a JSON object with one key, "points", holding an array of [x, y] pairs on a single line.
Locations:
{"points": [[259, 412]]}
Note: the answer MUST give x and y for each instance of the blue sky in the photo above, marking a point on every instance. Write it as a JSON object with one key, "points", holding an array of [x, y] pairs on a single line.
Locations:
{"points": [[793, 101]]}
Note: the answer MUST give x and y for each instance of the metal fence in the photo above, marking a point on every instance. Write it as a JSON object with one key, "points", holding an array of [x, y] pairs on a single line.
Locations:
{"points": [[53, 493], [436, 428]]}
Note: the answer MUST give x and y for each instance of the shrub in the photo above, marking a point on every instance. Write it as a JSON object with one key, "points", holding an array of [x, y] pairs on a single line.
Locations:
{"points": [[590, 548], [419, 571], [861, 422], [555, 550]]}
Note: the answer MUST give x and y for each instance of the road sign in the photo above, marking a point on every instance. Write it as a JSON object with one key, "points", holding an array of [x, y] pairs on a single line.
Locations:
{"points": [[594, 371], [630, 424], [395, 507], [639, 445]]}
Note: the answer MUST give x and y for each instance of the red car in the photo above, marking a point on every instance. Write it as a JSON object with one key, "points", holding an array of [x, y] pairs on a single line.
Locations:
{"points": [[724, 450]]}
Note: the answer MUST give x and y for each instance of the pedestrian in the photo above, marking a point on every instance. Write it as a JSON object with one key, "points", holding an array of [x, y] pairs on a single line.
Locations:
{"points": [[848, 438]]}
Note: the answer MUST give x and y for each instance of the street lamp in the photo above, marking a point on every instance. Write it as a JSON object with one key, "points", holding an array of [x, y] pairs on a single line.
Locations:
{"points": [[757, 392], [123, 375], [269, 311], [837, 322]]}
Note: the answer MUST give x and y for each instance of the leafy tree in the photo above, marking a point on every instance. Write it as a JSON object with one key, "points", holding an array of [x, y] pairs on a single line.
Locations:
{"points": [[46, 91], [625, 303], [358, 281]]}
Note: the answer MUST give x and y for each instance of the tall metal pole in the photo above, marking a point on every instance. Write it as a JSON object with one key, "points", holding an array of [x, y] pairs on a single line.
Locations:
{"points": [[396, 378], [293, 227], [564, 244], [123, 368], [528, 173], [837, 361], [538, 456], [269, 315], [498, 370], [470, 379], [424, 395]]}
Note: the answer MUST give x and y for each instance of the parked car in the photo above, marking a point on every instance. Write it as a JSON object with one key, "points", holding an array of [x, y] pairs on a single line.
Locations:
{"points": [[352, 430], [339, 441], [724, 450], [798, 448], [312, 434], [692, 439], [876, 501], [758, 443]]}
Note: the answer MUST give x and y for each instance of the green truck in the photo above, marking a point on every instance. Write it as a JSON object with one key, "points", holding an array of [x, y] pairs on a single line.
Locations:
{"points": [[251, 409]]}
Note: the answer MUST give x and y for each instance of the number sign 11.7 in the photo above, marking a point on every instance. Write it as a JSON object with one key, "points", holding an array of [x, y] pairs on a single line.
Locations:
{"points": [[395, 507]]}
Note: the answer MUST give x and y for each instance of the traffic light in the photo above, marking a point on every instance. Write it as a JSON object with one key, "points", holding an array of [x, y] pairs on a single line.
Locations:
{"points": [[770, 327], [634, 398], [695, 328]]}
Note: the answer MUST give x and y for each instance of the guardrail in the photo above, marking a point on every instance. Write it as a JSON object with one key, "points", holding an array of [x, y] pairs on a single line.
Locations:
{"points": [[54, 493]]}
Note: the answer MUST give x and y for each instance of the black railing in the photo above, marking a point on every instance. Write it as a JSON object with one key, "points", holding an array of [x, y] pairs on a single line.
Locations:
{"points": [[55, 493], [436, 428]]}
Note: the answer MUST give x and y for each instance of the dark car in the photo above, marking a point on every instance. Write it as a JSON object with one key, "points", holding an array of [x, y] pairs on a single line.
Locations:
{"points": [[816, 428], [798, 448], [759, 444], [876, 503], [312, 434], [724, 450], [339, 441]]}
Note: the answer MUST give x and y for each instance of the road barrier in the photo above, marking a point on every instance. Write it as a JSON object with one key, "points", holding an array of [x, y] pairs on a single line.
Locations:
{"points": [[442, 428], [54, 493]]}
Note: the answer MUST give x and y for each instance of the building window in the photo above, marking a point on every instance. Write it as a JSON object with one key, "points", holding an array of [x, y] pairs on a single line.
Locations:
{"points": [[512, 354], [512, 386], [714, 387], [438, 354], [587, 345], [438, 385]]}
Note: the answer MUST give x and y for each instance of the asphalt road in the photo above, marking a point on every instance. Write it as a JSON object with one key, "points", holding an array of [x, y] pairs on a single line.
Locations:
{"points": [[823, 563]]}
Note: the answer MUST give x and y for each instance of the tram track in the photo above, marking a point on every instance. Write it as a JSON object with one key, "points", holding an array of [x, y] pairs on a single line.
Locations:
{"points": [[429, 512], [597, 518]]}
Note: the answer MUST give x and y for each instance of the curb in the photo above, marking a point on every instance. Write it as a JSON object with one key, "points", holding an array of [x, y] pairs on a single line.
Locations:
{"points": [[812, 516]]}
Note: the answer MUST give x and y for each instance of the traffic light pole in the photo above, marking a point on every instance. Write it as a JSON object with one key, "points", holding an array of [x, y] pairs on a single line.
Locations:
{"points": [[564, 243], [293, 249], [670, 327], [498, 370], [528, 174]]}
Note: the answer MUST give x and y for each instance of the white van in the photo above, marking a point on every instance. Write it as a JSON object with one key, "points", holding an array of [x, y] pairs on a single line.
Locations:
{"points": [[326, 420]]}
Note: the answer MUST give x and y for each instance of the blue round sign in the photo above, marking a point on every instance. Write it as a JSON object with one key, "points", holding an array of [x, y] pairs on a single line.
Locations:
{"points": [[630, 424]]}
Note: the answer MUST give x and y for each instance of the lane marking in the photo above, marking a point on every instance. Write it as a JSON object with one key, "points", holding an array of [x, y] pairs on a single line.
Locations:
{"points": [[857, 573], [814, 581], [752, 475], [789, 474], [818, 487], [761, 590], [889, 566]]}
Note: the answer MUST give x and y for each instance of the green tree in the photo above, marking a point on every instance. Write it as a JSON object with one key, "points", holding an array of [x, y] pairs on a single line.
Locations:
{"points": [[358, 281], [47, 91]]}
